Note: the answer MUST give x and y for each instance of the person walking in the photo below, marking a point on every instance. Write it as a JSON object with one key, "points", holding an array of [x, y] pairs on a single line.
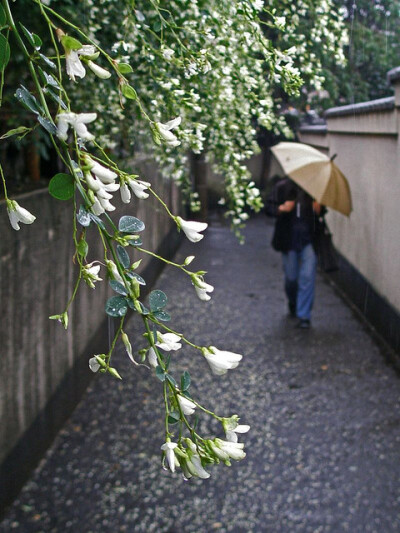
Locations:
{"points": [[296, 227]]}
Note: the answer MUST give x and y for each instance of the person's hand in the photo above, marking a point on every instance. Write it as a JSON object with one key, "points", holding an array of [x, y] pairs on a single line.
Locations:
{"points": [[316, 207], [287, 206]]}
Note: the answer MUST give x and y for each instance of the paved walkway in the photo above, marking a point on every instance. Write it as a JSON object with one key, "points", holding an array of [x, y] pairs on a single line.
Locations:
{"points": [[324, 449]]}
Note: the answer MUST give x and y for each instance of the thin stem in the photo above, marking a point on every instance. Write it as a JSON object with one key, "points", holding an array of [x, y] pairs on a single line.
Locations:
{"points": [[162, 203], [164, 260], [161, 324], [4, 182], [115, 340]]}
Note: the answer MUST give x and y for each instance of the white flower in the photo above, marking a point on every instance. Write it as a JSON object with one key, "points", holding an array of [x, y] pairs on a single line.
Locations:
{"points": [[18, 214], [168, 53], [74, 65], [90, 274], [113, 270], [165, 131], [100, 72], [258, 4], [97, 208], [191, 228], [152, 357], [202, 288], [221, 361], [78, 122], [88, 50], [93, 364], [186, 405], [233, 449], [168, 341], [168, 449], [125, 193], [105, 175], [138, 188], [196, 468], [231, 435]]}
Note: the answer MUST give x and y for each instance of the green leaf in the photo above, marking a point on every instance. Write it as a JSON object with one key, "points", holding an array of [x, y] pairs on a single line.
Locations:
{"points": [[70, 43], [138, 278], [129, 92], [82, 248], [171, 380], [160, 373], [3, 17], [124, 68], [158, 300], [185, 381], [16, 131], [123, 256], [136, 242], [25, 97], [128, 224], [163, 316], [32, 38], [116, 306], [47, 124], [55, 97], [48, 61], [28, 35], [83, 217], [62, 187], [173, 417], [118, 287], [50, 80], [37, 40], [157, 26], [4, 52], [97, 220]]}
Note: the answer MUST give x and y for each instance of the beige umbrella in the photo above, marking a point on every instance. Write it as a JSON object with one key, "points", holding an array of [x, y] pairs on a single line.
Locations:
{"points": [[316, 173]]}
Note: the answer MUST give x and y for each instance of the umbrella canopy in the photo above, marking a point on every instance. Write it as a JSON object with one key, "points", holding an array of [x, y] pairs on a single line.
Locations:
{"points": [[316, 173]]}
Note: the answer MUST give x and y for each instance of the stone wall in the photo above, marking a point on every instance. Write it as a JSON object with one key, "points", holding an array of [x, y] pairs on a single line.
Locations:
{"points": [[43, 367], [365, 138]]}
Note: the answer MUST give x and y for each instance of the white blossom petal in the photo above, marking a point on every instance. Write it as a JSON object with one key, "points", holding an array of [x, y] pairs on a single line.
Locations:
{"points": [[192, 228]]}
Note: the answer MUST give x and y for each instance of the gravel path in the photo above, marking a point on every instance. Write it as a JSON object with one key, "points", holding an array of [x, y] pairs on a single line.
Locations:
{"points": [[322, 454]]}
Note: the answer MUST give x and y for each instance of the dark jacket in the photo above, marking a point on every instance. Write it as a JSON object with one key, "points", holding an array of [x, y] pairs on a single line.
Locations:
{"points": [[286, 223]]}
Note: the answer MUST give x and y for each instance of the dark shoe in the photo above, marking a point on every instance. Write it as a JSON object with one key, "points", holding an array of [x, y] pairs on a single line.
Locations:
{"points": [[303, 323]]}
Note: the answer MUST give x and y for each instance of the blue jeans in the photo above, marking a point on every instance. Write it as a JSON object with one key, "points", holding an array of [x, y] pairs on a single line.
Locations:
{"points": [[300, 270]]}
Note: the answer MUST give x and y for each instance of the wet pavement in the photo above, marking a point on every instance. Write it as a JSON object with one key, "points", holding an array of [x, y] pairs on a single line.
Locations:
{"points": [[324, 447]]}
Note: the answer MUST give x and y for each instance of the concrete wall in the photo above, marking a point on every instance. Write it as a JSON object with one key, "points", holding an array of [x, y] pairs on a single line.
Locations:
{"points": [[38, 357], [365, 138]]}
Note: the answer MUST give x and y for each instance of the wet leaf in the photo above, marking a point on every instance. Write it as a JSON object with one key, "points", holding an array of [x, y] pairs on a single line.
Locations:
{"points": [[47, 124], [157, 300], [83, 217], [116, 306], [138, 278], [163, 316], [119, 288], [25, 97], [128, 224], [48, 61], [123, 256]]}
